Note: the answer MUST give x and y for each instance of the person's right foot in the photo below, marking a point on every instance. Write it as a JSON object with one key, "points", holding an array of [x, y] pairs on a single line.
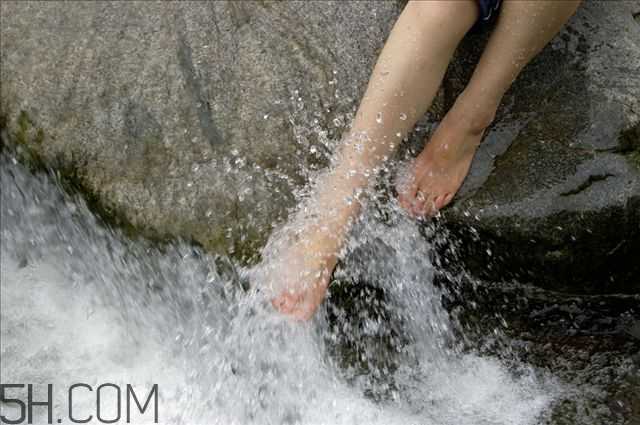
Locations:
{"points": [[438, 172]]}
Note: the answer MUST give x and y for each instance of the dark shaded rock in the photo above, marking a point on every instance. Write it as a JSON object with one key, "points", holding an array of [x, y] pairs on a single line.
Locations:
{"points": [[586, 342], [554, 193]]}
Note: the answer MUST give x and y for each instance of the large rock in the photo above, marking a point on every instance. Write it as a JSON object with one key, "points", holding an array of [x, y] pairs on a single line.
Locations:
{"points": [[199, 120], [194, 119], [554, 193]]}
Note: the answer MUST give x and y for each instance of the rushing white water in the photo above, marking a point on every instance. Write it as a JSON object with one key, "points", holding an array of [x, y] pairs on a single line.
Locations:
{"points": [[81, 303]]}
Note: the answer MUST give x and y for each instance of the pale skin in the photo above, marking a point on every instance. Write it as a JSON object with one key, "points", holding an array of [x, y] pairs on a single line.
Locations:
{"points": [[402, 86]]}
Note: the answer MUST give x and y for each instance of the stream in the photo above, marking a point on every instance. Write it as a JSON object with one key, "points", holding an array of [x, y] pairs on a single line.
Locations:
{"points": [[82, 303]]}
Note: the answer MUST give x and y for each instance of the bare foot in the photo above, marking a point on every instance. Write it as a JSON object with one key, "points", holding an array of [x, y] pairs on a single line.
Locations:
{"points": [[301, 271], [301, 300], [306, 253], [438, 172], [305, 285]]}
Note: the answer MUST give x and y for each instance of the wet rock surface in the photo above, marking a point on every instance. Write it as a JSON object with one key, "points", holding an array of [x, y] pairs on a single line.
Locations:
{"points": [[554, 192], [199, 121], [195, 119], [591, 344]]}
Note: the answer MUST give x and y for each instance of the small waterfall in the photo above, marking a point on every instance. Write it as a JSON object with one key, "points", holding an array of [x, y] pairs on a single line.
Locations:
{"points": [[83, 303]]}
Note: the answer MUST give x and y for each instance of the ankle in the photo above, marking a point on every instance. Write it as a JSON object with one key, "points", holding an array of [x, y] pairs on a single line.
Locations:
{"points": [[476, 112]]}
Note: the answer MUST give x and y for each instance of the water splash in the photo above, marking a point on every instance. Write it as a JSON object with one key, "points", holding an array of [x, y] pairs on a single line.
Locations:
{"points": [[82, 303]]}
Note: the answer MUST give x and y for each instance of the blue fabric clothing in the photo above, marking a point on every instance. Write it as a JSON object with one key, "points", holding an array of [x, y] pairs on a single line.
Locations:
{"points": [[488, 11]]}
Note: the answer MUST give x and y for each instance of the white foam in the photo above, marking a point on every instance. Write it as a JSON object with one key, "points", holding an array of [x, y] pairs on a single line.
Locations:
{"points": [[92, 308]]}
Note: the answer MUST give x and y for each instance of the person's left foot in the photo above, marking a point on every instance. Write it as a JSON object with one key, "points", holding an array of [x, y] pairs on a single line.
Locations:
{"points": [[302, 274], [438, 172]]}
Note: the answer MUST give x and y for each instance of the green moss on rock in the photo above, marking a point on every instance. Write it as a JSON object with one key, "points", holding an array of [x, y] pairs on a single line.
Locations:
{"points": [[244, 246], [23, 123], [24, 137], [27, 137], [630, 144]]}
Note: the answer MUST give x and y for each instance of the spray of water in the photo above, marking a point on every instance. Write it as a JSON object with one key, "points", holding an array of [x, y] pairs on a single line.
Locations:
{"points": [[82, 303]]}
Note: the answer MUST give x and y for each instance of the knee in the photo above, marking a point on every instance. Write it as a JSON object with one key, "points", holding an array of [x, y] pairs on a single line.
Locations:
{"points": [[443, 10], [447, 21]]}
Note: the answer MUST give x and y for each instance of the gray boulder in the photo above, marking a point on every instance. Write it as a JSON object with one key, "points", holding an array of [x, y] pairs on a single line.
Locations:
{"points": [[554, 193], [202, 120], [190, 119]]}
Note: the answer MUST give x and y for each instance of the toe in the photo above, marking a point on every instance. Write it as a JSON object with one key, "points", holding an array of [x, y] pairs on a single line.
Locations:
{"points": [[447, 199], [408, 187], [405, 201], [418, 208], [285, 303], [431, 207], [419, 204], [437, 201], [407, 195], [422, 205]]}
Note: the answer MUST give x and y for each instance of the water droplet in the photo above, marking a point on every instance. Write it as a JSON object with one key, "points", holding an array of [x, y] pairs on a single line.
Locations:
{"points": [[403, 116], [379, 117]]}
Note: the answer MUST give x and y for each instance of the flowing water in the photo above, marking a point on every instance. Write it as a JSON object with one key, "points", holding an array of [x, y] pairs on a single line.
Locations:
{"points": [[82, 303]]}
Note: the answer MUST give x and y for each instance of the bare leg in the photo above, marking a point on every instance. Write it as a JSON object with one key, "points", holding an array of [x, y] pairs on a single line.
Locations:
{"points": [[402, 86], [522, 30]]}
